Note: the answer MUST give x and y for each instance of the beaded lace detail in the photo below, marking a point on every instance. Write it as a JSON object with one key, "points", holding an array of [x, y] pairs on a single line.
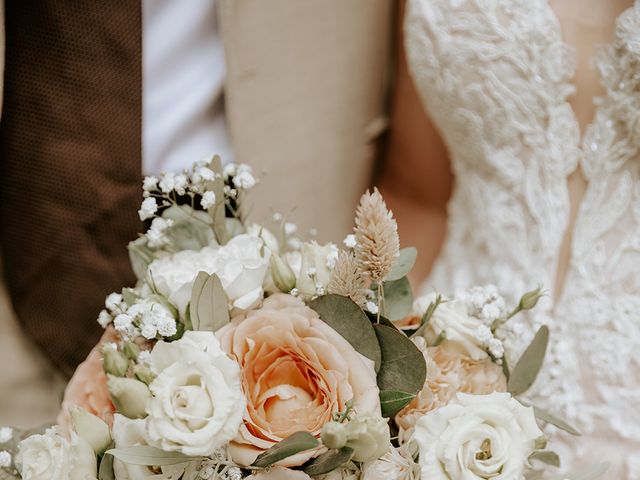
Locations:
{"points": [[495, 76]]}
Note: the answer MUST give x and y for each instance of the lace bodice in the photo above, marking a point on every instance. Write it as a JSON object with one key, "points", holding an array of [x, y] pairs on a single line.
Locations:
{"points": [[495, 76]]}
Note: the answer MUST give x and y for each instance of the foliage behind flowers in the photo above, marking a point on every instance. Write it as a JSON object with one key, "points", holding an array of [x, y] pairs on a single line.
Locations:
{"points": [[245, 351]]}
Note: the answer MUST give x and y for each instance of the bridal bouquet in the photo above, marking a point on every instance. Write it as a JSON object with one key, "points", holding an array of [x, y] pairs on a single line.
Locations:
{"points": [[246, 352]]}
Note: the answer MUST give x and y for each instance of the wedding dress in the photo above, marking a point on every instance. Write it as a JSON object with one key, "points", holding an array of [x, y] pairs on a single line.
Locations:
{"points": [[495, 76]]}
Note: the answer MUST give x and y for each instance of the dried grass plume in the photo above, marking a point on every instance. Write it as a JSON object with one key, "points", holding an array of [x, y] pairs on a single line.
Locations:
{"points": [[347, 280], [378, 244]]}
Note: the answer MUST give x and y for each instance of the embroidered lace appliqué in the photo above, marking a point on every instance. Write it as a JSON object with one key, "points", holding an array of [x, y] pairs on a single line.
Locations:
{"points": [[495, 76]]}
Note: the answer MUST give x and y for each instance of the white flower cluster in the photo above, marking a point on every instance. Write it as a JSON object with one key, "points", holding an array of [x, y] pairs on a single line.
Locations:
{"points": [[5, 459], [487, 305], [146, 318], [156, 234], [484, 303], [114, 305], [240, 176]]}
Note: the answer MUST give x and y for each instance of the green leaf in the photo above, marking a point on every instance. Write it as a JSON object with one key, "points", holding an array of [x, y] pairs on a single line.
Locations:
{"points": [[218, 212], [547, 417], [405, 262], [403, 366], [146, 455], [348, 319], [296, 443], [392, 401], [398, 299], [328, 461], [526, 370], [105, 472], [209, 308], [591, 472], [546, 456]]}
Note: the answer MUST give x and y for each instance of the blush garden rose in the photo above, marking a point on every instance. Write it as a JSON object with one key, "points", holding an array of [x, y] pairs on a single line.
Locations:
{"points": [[296, 372]]}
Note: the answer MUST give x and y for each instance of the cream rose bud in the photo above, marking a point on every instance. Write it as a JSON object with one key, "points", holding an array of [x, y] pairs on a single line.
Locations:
{"points": [[316, 264], [240, 265], [480, 436], [129, 396], [334, 435], [197, 403], [90, 428], [461, 329], [369, 437], [52, 457]]}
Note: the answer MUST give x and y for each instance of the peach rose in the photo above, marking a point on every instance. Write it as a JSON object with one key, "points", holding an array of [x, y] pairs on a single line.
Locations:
{"points": [[88, 387], [296, 372], [448, 372]]}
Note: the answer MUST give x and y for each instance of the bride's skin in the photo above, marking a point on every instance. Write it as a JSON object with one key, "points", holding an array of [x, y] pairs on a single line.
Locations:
{"points": [[416, 176]]}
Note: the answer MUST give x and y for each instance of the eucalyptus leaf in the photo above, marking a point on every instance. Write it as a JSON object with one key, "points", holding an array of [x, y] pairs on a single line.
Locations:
{"points": [[347, 318], [130, 296], [546, 456], [526, 370], [210, 307], [296, 443], [328, 461], [405, 262], [590, 472], [140, 257], [105, 472], [403, 366], [547, 417], [147, 455], [373, 318], [218, 212], [196, 291], [191, 229], [392, 401], [398, 299]]}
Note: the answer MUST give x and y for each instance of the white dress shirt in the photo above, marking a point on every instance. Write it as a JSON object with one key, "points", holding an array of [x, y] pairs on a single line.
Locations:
{"points": [[183, 78]]}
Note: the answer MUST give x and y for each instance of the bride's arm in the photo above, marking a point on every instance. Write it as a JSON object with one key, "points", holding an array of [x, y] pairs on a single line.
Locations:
{"points": [[415, 178]]}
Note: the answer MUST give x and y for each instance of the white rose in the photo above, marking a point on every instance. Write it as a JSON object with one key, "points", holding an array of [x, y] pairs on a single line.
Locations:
{"points": [[316, 263], [460, 328], [480, 437], [128, 433], [239, 264], [52, 457], [391, 465], [197, 403]]}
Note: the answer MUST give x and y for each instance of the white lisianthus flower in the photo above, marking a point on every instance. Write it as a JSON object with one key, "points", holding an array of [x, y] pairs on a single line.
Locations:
{"points": [[197, 403], [239, 264], [52, 457], [479, 436], [460, 328]]}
